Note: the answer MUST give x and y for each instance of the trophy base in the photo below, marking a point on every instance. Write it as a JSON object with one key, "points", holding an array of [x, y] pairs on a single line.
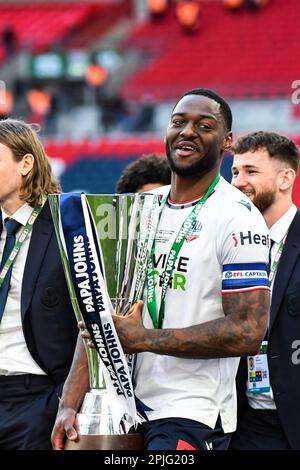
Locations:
{"points": [[131, 441]]}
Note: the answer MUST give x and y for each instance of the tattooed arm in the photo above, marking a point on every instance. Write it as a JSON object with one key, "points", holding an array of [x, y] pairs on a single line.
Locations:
{"points": [[237, 334]]}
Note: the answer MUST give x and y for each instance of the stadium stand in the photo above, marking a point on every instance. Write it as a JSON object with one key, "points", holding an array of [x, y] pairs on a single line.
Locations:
{"points": [[96, 25], [237, 54], [244, 54], [26, 21]]}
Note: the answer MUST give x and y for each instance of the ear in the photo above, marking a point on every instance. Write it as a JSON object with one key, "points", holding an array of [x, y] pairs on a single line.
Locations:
{"points": [[287, 178], [227, 142], [27, 164]]}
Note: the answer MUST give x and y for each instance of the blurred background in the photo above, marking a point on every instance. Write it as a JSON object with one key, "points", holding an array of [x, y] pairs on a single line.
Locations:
{"points": [[101, 77]]}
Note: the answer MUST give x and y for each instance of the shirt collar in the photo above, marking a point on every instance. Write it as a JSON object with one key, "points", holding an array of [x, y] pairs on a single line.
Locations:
{"points": [[280, 228], [21, 215]]}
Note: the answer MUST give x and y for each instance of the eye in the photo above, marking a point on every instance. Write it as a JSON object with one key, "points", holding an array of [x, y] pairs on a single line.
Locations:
{"points": [[207, 127], [177, 122]]}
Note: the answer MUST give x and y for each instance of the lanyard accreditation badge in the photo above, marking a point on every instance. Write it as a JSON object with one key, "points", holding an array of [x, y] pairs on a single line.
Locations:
{"points": [[157, 319], [258, 371]]}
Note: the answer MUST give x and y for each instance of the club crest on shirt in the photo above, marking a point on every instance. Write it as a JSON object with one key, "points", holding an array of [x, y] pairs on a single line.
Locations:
{"points": [[245, 204], [194, 232]]}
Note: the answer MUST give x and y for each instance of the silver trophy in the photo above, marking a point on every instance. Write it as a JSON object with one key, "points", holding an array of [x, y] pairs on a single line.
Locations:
{"points": [[105, 243]]}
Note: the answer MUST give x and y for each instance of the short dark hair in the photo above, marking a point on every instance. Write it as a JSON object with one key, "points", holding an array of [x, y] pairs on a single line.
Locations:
{"points": [[224, 106], [150, 168], [278, 146]]}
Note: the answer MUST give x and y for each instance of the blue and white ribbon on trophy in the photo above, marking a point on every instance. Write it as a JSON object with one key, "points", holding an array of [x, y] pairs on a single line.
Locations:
{"points": [[81, 245]]}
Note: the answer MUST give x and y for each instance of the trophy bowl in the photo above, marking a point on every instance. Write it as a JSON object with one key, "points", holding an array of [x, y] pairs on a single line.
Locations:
{"points": [[95, 427]]}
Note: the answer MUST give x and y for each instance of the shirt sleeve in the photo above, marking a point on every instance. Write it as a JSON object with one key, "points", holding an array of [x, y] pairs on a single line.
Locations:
{"points": [[244, 248]]}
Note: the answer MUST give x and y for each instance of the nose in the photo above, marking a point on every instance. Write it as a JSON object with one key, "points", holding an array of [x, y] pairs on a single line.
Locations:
{"points": [[239, 180], [188, 129]]}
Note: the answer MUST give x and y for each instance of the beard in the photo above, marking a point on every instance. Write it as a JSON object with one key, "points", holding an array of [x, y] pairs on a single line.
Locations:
{"points": [[264, 200], [198, 168]]}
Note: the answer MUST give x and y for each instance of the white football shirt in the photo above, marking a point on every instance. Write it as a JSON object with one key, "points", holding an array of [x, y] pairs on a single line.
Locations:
{"points": [[226, 252]]}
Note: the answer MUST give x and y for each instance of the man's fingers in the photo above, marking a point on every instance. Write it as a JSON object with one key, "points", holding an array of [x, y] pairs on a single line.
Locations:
{"points": [[71, 434], [85, 334], [137, 308], [58, 444]]}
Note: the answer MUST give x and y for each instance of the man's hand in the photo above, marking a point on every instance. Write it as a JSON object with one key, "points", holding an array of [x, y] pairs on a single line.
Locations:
{"points": [[85, 334], [130, 329], [64, 428]]}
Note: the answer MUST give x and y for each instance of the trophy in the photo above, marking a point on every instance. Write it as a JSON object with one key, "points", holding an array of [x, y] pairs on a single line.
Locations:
{"points": [[105, 243]]}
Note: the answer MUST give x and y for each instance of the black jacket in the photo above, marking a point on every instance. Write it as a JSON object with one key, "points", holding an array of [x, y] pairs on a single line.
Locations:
{"points": [[49, 324], [284, 339]]}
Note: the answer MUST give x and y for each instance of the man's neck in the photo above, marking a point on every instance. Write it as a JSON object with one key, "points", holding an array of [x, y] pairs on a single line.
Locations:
{"points": [[11, 206], [185, 189], [276, 211]]}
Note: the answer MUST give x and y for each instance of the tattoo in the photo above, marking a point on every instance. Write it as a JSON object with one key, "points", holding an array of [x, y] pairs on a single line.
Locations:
{"points": [[238, 333]]}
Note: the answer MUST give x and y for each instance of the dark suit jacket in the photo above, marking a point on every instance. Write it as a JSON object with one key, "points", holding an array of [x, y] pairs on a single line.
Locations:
{"points": [[49, 323], [284, 339]]}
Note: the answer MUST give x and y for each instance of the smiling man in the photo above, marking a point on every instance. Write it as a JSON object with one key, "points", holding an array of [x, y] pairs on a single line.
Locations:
{"points": [[265, 165], [188, 336]]}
